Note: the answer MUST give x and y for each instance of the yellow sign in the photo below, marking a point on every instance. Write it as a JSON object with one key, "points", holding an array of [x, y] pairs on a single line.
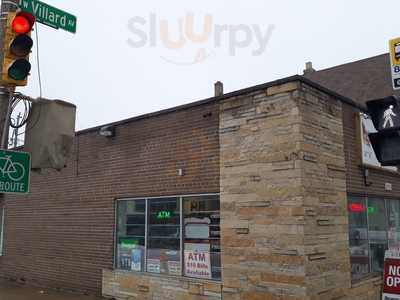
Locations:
{"points": [[395, 51], [395, 62]]}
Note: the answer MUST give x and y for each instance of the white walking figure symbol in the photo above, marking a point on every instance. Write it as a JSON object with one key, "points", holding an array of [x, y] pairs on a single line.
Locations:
{"points": [[387, 115]]}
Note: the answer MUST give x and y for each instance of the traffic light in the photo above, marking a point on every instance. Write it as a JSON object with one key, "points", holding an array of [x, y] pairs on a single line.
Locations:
{"points": [[17, 47], [385, 115], [387, 147]]}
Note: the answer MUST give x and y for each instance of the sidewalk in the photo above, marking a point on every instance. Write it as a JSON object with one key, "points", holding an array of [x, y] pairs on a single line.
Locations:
{"points": [[13, 291]]}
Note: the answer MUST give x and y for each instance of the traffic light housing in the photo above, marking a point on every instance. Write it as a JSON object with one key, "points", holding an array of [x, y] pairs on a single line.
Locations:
{"points": [[385, 115], [386, 147], [17, 48]]}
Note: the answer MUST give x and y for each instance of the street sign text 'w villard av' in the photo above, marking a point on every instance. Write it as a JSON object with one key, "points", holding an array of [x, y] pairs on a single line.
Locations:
{"points": [[49, 15]]}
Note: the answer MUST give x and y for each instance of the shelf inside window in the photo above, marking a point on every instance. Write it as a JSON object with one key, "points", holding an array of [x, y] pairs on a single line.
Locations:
{"points": [[164, 225], [163, 237]]}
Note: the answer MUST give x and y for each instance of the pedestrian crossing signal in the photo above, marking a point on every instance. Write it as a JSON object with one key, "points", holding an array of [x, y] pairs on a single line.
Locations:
{"points": [[385, 115], [17, 48], [386, 146]]}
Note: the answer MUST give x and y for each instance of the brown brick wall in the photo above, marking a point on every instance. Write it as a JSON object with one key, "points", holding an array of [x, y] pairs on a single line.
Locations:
{"points": [[283, 197], [62, 233], [371, 288], [353, 156]]}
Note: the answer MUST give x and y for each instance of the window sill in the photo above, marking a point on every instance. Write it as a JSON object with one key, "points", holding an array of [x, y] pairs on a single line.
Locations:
{"points": [[172, 277], [380, 169], [375, 278]]}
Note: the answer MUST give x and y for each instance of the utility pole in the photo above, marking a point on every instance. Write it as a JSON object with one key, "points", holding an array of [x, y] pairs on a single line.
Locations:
{"points": [[5, 91], [14, 139]]}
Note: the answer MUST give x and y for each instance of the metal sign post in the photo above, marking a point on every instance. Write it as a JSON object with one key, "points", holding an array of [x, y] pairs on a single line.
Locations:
{"points": [[15, 166]]}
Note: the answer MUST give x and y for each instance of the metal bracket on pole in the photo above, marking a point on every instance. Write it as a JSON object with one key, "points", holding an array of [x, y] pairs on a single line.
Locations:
{"points": [[6, 128], [24, 97], [10, 3], [3, 93]]}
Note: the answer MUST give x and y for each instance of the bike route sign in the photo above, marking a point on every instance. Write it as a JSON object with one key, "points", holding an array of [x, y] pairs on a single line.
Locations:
{"points": [[15, 169]]}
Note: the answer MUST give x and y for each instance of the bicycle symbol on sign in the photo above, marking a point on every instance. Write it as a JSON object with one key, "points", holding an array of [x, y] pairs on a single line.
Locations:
{"points": [[14, 170]]}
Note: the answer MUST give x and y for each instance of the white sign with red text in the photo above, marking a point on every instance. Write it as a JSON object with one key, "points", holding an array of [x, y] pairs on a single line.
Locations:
{"points": [[198, 261], [391, 277]]}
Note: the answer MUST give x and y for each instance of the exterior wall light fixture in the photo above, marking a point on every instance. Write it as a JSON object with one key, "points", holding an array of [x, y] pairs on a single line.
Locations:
{"points": [[107, 131]]}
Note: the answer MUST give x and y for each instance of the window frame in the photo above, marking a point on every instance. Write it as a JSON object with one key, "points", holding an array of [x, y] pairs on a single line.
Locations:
{"points": [[3, 214], [146, 199]]}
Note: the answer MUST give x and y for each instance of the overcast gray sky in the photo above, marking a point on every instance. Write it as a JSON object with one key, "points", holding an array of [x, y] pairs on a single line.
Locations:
{"points": [[122, 63]]}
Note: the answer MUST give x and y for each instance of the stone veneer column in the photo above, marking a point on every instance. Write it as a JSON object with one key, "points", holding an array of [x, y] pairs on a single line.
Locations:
{"points": [[283, 195], [326, 241]]}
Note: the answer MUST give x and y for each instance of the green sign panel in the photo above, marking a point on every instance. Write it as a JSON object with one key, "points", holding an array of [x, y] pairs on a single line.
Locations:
{"points": [[49, 15], [15, 169], [129, 243], [162, 215]]}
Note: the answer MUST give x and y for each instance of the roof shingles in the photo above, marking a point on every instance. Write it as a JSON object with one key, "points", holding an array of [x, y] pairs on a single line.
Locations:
{"points": [[360, 81]]}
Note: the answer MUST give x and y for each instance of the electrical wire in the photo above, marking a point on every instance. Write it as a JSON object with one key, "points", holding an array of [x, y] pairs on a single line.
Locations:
{"points": [[38, 113], [17, 99]]}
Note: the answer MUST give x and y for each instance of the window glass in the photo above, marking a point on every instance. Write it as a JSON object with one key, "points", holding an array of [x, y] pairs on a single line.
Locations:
{"points": [[177, 236], [358, 235], [377, 233], [163, 249], [394, 224], [131, 235], [202, 235]]}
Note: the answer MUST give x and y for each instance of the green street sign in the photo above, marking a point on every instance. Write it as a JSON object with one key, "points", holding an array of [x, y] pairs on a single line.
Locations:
{"points": [[49, 15], [15, 169]]}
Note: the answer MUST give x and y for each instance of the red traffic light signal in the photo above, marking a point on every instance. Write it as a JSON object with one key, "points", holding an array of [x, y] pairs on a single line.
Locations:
{"points": [[18, 44], [23, 23]]}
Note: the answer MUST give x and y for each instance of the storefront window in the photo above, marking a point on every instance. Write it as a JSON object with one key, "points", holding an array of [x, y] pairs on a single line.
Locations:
{"points": [[374, 226], [393, 224], [131, 235], [172, 236], [358, 235], [202, 237], [377, 233], [163, 250]]}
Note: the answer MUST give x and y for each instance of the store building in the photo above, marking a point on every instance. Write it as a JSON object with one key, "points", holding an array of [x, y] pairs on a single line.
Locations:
{"points": [[270, 192]]}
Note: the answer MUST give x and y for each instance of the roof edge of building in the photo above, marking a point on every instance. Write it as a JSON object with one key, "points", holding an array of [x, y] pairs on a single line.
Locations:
{"points": [[229, 95], [349, 63]]}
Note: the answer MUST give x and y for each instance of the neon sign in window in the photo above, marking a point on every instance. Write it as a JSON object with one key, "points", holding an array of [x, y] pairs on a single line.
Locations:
{"points": [[163, 215]]}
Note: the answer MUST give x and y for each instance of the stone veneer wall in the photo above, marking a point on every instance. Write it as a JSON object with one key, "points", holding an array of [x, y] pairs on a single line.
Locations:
{"points": [[322, 162], [262, 203], [283, 206], [124, 285], [283, 197]]}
